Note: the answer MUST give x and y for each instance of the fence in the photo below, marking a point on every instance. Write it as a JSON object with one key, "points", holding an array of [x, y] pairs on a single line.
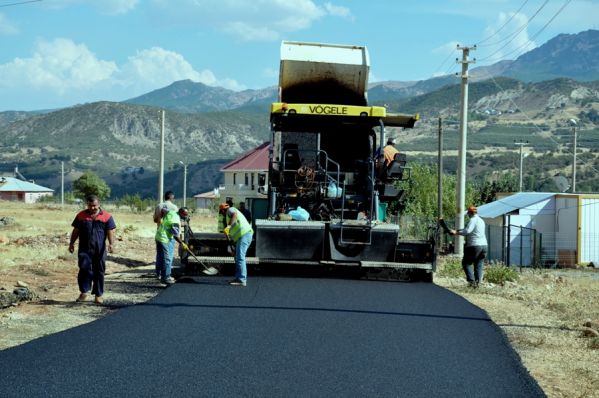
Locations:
{"points": [[412, 227], [516, 245]]}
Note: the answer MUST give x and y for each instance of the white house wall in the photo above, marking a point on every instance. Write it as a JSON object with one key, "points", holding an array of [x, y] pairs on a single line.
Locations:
{"points": [[495, 239], [236, 187], [589, 230], [566, 223], [520, 239], [32, 197], [546, 206]]}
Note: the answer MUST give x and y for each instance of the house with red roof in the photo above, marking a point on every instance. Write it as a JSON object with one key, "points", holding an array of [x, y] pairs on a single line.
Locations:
{"points": [[246, 177]]}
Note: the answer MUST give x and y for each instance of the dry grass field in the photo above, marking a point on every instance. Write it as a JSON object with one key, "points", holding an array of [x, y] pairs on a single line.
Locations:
{"points": [[542, 314]]}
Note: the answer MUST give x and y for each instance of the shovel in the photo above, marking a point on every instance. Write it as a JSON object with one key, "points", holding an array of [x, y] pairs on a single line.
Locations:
{"points": [[207, 270]]}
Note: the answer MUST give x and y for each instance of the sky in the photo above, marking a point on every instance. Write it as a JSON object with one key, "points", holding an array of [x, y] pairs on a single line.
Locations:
{"points": [[60, 53]]}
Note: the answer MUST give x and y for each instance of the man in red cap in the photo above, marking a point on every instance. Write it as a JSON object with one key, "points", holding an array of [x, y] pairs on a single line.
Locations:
{"points": [[475, 248]]}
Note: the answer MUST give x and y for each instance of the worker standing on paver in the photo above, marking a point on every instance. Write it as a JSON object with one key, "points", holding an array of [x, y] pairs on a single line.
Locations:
{"points": [[92, 227], [239, 231]]}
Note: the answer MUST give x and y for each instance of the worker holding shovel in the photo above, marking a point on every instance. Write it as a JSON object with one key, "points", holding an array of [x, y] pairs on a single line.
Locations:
{"points": [[168, 231], [240, 231]]}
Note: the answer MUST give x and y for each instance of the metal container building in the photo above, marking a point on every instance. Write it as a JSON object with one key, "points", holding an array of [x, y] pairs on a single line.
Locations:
{"points": [[539, 228]]}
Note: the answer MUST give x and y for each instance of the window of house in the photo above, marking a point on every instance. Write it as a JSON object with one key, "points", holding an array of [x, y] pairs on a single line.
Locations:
{"points": [[234, 178], [247, 179]]}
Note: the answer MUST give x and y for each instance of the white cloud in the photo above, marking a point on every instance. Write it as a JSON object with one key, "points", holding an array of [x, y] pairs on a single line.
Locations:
{"points": [[6, 27], [270, 73], [447, 54], [65, 69], [338, 11], [576, 16], [510, 41], [157, 67], [59, 65], [115, 7], [109, 7], [258, 20], [250, 33]]}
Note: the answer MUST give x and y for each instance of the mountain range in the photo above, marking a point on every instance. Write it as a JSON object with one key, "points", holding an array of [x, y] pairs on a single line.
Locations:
{"points": [[208, 126]]}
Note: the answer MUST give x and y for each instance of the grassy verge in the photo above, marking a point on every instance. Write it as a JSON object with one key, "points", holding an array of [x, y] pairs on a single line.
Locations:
{"points": [[543, 313]]}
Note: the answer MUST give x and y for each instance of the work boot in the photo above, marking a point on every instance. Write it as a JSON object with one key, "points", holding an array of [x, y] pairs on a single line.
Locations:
{"points": [[82, 297], [98, 300]]}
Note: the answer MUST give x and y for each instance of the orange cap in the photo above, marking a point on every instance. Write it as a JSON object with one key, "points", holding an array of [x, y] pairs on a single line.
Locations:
{"points": [[472, 209], [223, 206]]}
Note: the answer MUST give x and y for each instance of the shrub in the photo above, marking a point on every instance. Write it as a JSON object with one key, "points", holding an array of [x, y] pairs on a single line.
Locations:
{"points": [[129, 228], [450, 267], [499, 274]]}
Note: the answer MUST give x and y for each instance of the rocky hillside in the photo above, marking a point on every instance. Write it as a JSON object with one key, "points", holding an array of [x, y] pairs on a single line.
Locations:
{"points": [[567, 55], [116, 140], [207, 126]]}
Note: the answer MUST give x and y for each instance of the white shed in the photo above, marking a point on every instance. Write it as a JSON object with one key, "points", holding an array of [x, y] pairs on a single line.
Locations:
{"points": [[208, 199], [547, 228]]}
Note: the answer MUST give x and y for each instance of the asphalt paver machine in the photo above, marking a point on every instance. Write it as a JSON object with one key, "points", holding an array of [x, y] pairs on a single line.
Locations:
{"points": [[326, 169]]}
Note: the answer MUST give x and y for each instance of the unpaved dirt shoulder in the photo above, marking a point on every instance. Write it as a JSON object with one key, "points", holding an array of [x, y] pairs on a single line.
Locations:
{"points": [[54, 285], [543, 316]]}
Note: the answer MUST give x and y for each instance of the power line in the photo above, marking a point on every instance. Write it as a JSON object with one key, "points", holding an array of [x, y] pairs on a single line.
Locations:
{"points": [[19, 3], [504, 25], [523, 46], [513, 36], [444, 61], [452, 68]]}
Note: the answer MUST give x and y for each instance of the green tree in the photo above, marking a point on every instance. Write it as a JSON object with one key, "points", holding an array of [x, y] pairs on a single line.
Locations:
{"points": [[420, 199], [90, 184], [486, 191]]}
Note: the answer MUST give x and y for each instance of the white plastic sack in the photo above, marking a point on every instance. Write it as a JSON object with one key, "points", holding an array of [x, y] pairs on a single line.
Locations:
{"points": [[299, 214]]}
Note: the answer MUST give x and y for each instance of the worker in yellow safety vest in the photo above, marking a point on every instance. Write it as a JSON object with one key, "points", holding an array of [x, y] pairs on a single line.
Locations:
{"points": [[239, 231]]}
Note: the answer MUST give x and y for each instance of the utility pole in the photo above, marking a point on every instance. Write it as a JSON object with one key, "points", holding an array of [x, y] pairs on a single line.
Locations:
{"points": [[573, 123], [461, 193], [62, 184], [161, 166], [440, 172], [521, 144], [184, 182], [439, 234]]}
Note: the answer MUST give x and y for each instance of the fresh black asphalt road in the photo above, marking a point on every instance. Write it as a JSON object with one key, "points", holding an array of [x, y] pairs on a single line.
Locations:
{"points": [[278, 337]]}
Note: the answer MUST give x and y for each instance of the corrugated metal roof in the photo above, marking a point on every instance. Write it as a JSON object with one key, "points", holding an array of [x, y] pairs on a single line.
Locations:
{"points": [[512, 203], [255, 159], [11, 184], [207, 195]]}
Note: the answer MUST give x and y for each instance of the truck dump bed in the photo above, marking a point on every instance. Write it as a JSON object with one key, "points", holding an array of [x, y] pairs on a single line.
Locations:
{"points": [[323, 73]]}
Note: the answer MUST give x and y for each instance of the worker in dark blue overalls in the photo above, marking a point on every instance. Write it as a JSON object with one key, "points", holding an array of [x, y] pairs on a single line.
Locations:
{"points": [[92, 226]]}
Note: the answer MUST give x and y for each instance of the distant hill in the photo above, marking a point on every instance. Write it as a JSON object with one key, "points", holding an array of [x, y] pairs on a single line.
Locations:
{"points": [[110, 138], [574, 56], [207, 126], [569, 56], [192, 97]]}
